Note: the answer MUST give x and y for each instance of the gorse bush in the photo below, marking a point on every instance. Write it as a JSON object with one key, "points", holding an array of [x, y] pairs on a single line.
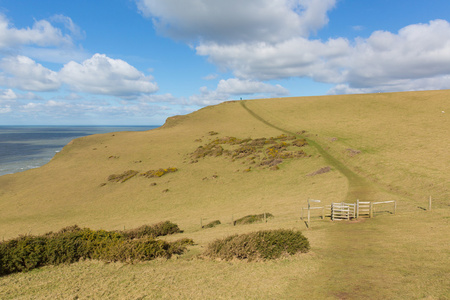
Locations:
{"points": [[261, 245], [212, 224], [158, 173], [74, 243], [252, 219], [160, 229], [257, 149]]}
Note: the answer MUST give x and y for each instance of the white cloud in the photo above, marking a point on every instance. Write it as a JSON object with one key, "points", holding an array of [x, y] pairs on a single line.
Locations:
{"points": [[234, 86], [270, 39], [7, 95], [226, 89], [42, 33], [297, 57], [73, 28], [24, 73], [421, 84], [98, 75], [236, 20], [418, 54], [419, 51], [210, 77], [103, 75]]}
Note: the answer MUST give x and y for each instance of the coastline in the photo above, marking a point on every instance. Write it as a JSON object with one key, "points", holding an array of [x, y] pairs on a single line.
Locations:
{"points": [[25, 147]]}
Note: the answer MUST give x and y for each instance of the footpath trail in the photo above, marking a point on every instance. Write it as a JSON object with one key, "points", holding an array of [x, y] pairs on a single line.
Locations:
{"points": [[368, 258], [358, 187]]}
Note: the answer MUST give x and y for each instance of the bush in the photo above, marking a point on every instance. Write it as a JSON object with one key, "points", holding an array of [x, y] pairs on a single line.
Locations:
{"points": [[160, 229], [212, 224], [74, 243], [261, 245], [158, 173], [252, 219], [143, 249], [122, 177]]}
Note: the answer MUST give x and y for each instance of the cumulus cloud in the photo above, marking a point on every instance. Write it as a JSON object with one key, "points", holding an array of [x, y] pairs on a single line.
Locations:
{"points": [[271, 39], [236, 87], [297, 57], [42, 33], [24, 73], [7, 95], [103, 75], [98, 75], [416, 55], [235, 20]]}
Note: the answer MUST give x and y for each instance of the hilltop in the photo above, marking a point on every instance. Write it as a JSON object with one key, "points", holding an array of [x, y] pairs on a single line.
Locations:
{"points": [[268, 155]]}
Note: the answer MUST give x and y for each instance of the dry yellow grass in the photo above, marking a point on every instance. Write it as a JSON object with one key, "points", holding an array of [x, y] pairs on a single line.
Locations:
{"points": [[403, 141]]}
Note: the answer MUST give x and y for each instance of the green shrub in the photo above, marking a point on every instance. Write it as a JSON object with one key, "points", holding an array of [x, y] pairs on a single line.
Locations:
{"points": [[158, 173], [160, 229], [261, 245], [143, 249], [212, 224], [252, 219], [73, 243]]}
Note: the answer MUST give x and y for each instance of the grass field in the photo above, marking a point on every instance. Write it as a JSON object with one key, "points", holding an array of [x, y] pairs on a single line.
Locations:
{"points": [[379, 146]]}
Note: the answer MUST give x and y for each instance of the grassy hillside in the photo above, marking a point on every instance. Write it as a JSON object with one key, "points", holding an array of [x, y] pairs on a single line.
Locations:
{"points": [[379, 147]]}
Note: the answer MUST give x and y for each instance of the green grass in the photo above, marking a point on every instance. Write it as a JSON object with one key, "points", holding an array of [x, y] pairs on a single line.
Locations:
{"points": [[403, 139]]}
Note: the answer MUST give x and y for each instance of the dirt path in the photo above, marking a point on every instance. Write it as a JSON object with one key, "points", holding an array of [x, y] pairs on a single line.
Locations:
{"points": [[358, 187]]}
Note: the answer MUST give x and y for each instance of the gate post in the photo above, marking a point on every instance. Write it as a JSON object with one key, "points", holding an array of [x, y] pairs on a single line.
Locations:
{"points": [[357, 208]]}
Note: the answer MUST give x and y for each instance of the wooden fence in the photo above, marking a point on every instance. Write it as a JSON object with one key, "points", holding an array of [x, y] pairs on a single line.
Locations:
{"points": [[343, 211], [347, 211], [363, 208]]}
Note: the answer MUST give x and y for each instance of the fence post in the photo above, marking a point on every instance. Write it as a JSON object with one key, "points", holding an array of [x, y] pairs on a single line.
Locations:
{"points": [[395, 206], [357, 208], [371, 210], [332, 211], [323, 212], [429, 204], [309, 217]]}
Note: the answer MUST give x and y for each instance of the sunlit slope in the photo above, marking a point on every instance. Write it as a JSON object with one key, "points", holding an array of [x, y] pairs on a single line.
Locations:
{"points": [[399, 141], [70, 189], [399, 150]]}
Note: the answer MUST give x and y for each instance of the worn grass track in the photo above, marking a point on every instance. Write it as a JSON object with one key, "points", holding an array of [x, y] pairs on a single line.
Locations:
{"points": [[358, 187]]}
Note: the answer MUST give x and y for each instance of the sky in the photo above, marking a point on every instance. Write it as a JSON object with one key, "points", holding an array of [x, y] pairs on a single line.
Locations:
{"points": [[137, 62]]}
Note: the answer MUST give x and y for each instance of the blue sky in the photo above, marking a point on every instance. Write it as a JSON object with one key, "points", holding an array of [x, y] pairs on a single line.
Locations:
{"points": [[137, 62]]}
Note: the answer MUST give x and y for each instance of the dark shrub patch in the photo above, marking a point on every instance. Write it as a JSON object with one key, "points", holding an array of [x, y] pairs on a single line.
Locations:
{"points": [[153, 231], [208, 150], [122, 177], [261, 245], [74, 243], [212, 224], [158, 173], [234, 148], [252, 219]]}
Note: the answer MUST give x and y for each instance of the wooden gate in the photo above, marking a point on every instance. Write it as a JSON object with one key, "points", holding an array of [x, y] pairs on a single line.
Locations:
{"points": [[343, 211], [363, 209]]}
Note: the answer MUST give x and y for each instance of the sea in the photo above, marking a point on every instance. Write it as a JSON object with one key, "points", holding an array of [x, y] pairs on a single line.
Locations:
{"points": [[27, 147]]}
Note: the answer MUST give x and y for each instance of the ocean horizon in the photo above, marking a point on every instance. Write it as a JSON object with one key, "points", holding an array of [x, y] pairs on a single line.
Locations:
{"points": [[24, 147]]}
